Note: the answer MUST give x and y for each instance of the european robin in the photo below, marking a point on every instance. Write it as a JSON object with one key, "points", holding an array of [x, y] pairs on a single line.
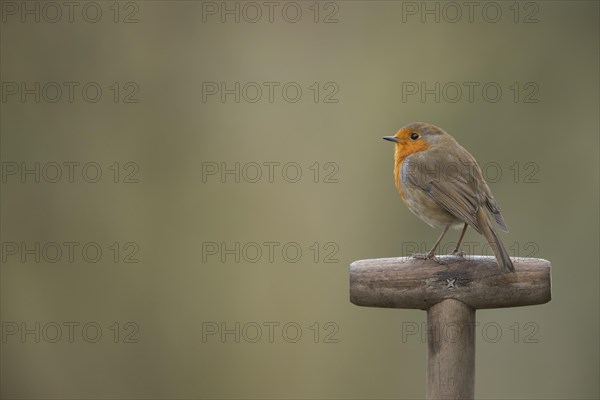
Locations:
{"points": [[442, 184]]}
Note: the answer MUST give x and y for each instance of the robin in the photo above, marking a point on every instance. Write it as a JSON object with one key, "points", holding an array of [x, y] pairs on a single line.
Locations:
{"points": [[442, 184]]}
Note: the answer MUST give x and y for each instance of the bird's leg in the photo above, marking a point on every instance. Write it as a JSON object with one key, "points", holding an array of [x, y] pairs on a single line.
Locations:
{"points": [[456, 252], [431, 254]]}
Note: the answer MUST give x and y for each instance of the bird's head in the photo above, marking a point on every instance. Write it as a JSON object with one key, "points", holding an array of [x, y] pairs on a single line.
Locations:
{"points": [[415, 137]]}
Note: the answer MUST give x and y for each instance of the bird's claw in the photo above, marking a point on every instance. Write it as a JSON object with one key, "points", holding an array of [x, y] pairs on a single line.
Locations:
{"points": [[428, 256], [457, 253], [423, 256]]}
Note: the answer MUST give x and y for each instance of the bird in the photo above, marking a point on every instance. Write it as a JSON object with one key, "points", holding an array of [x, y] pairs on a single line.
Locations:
{"points": [[442, 183]]}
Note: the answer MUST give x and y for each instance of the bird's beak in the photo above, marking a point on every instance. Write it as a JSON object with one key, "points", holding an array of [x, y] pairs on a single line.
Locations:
{"points": [[391, 138]]}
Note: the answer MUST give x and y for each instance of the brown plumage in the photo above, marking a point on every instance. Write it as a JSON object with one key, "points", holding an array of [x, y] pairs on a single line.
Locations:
{"points": [[442, 184]]}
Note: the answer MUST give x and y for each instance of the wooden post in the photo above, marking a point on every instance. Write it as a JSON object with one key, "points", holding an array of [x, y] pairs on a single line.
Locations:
{"points": [[450, 288], [450, 342]]}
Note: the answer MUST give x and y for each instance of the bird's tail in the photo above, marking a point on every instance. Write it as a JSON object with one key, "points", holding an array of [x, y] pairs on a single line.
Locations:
{"points": [[504, 261]]}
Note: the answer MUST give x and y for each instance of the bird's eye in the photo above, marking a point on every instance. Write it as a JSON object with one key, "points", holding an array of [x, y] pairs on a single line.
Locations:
{"points": [[415, 136]]}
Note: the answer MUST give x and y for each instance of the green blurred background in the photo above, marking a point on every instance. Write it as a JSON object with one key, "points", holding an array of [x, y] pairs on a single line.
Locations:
{"points": [[172, 297]]}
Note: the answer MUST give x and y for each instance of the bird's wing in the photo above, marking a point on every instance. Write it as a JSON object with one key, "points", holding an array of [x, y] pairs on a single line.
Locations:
{"points": [[492, 205], [453, 187]]}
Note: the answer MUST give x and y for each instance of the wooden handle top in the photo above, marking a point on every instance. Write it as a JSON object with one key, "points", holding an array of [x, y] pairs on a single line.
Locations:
{"points": [[406, 282]]}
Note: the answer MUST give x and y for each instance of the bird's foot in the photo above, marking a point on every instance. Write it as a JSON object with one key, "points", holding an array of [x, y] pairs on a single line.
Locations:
{"points": [[422, 256], [458, 253], [426, 256]]}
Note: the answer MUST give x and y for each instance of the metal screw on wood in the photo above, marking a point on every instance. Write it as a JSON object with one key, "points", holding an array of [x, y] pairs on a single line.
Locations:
{"points": [[450, 288]]}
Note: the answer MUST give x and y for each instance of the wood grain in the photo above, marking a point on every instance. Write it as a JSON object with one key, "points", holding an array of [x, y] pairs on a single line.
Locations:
{"points": [[406, 282], [450, 351]]}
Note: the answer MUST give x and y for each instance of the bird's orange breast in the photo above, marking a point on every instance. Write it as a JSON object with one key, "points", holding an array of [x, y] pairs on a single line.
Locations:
{"points": [[403, 150]]}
